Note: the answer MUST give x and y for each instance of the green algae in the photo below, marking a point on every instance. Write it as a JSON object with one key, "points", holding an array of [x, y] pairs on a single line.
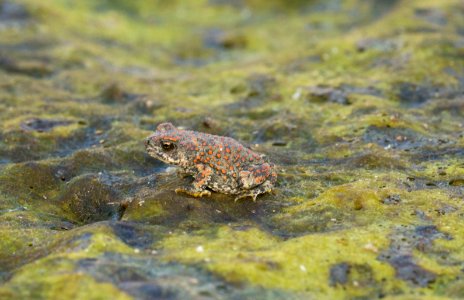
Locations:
{"points": [[261, 259], [62, 285], [33, 281], [358, 103]]}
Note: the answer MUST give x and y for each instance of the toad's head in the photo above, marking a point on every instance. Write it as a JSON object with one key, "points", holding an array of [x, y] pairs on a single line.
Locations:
{"points": [[164, 144]]}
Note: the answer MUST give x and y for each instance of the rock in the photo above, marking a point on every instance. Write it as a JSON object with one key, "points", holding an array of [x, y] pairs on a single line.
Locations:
{"points": [[357, 103], [407, 270], [321, 94], [114, 93], [30, 67], [347, 274], [392, 199], [10, 11], [433, 16], [90, 200], [133, 234], [43, 125], [457, 182], [383, 45], [400, 253], [339, 274], [225, 40]]}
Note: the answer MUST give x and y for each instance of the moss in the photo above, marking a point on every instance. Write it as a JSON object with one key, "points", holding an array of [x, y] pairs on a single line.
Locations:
{"points": [[60, 285], [53, 275], [31, 185], [343, 206], [30, 176], [446, 169], [21, 242], [146, 209], [358, 103], [297, 264]]}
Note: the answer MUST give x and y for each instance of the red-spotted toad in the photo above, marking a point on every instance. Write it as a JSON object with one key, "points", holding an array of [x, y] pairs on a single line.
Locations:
{"points": [[219, 163]]}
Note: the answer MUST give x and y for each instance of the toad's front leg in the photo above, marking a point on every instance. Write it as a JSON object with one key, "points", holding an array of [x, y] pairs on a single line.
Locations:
{"points": [[198, 188]]}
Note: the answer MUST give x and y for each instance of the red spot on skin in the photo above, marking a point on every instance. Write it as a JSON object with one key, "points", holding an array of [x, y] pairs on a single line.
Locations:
{"points": [[234, 175], [231, 168], [196, 149], [251, 158], [243, 159], [218, 155], [208, 158], [202, 153], [210, 152], [219, 163], [204, 143], [197, 158], [226, 157], [211, 165], [227, 150], [223, 171], [237, 164]]}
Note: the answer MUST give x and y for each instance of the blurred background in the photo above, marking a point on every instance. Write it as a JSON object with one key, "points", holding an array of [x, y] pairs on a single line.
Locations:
{"points": [[359, 104]]}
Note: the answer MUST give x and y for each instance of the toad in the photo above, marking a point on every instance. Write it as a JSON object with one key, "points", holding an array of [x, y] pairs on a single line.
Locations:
{"points": [[217, 163]]}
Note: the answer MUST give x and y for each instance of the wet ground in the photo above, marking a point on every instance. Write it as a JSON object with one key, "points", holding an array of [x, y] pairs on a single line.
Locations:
{"points": [[360, 104]]}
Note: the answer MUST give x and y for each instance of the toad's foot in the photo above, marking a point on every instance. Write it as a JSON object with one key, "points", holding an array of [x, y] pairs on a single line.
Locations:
{"points": [[193, 192], [252, 193], [266, 187]]}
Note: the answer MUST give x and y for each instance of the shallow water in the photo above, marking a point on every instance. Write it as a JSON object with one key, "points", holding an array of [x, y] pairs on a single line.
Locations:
{"points": [[359, 104]]}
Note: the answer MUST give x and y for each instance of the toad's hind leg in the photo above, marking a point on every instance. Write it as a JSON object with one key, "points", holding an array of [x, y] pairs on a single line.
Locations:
{"points": [[257, 180], [256, 175], [198, 188], [253, 193]]}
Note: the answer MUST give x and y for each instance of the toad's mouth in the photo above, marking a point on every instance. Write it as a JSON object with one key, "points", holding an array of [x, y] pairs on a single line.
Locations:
{"points": [[162, 156], [152, 152]]}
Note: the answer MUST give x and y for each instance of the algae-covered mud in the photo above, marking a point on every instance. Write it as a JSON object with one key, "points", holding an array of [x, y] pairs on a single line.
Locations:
{"points": [[360, 104]]}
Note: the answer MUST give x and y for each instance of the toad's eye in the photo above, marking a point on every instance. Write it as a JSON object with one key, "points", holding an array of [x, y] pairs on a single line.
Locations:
{"points": [[167, 146]]}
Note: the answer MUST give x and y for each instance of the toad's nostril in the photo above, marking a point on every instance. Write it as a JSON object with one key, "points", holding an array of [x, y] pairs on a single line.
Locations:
{"points": [[147, 142]]}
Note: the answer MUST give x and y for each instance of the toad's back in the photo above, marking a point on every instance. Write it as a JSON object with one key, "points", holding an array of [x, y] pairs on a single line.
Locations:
{"points": [[223, 154]]}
